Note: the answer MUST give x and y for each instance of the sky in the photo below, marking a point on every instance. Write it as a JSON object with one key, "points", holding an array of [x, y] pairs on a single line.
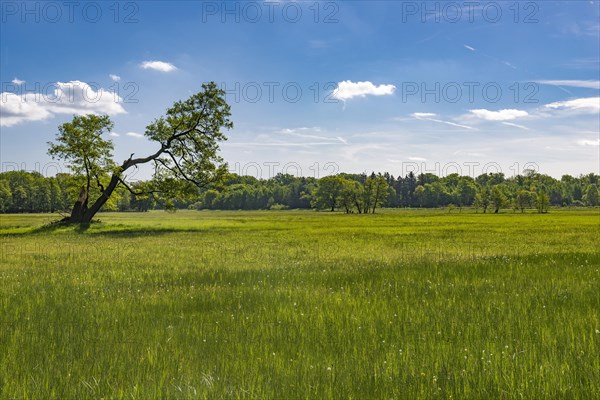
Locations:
{"points": [[315, 88]]}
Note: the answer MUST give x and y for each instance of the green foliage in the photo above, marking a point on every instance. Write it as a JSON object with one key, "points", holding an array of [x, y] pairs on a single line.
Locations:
{"points": [[523, 199], [328, 193], [498, 197], [464, 193], [189, 135], [542, 200], [80, 143], [482, 198], [29, 192], [591, 195]]}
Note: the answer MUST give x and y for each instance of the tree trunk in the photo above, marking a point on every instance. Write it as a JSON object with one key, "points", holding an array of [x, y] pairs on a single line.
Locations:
{"points": [[90, 212], [81, 214], [80, 207]]}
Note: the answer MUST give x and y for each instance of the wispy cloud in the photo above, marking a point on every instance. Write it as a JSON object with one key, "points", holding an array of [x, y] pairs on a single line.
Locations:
{"points": [[469, 47], [135, 135], [304, 132], [428, 117], [572, 83], [347, 90], [161, 66], [516, 125]]}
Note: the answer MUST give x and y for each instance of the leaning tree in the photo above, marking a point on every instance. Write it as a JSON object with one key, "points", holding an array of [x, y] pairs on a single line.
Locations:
{"points": [[188, 137]]}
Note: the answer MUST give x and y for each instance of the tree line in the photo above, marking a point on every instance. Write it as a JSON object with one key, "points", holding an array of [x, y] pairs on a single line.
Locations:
{"points": [[28, 192]]}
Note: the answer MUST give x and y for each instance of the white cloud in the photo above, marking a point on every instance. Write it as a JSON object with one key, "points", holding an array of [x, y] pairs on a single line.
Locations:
{"points": [[589, 142], [572, 83], [417, 159], [422, 115], [74, 97], [158, 66], [585, 105], [18, 81], [114, 134], [516, 125], [15, 109], [469, 47], [115, 78], [502, 115], [134, 134], [347, 90]]}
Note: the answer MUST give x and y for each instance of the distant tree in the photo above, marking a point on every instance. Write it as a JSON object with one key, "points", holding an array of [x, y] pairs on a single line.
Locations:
{"points": [[498, 198], [541, 201], [482, 199], [410, 185], [380, 191], [367, 194], [522, 200], [20, 198], [350, 196], [464, 193], [328, 192], [591, 195], [5, 196], [420, 194]]}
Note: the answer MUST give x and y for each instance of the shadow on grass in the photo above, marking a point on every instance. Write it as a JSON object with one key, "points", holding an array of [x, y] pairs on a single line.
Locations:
{"points": [[116, 231], [143, 232]]}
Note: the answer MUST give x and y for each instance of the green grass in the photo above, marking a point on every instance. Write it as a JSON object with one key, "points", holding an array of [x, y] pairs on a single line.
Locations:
{"points": [[401, 304]]}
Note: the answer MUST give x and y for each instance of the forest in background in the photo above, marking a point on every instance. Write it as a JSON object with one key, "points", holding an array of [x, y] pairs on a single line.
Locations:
{"points": [[31, 192]]}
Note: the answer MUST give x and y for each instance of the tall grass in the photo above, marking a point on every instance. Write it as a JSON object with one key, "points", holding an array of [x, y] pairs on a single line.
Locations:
{"points": [[402, 304]]}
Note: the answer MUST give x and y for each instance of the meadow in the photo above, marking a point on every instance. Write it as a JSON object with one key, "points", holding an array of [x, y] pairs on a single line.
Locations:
{"points": [[403, 304]]}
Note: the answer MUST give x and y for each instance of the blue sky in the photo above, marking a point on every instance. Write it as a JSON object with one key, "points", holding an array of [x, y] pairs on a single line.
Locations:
{"points": [[317, 87]]}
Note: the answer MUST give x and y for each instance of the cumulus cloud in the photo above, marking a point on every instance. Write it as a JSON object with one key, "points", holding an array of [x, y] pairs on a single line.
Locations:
{"points": [[584, 105], [158, 66], [15, 109], [114, 78], [18, 81], [74, 97], [501, 115], [572, 83], [347, 90]]}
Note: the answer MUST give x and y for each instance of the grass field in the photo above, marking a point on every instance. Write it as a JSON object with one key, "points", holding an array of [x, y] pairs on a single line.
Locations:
{"points": [[400, 304]]}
